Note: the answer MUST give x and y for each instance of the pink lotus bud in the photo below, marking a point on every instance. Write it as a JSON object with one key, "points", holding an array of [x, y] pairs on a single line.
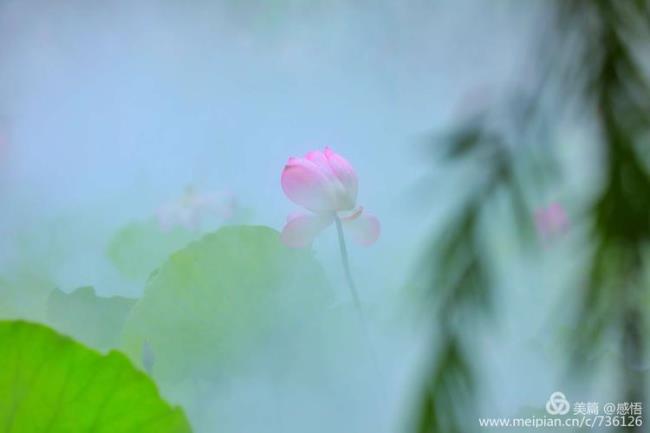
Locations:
{"points": [[322, 181], [326, 184]]}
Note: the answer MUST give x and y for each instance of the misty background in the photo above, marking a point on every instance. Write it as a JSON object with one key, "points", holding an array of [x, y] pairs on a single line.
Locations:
{"points": [[108, 110]]}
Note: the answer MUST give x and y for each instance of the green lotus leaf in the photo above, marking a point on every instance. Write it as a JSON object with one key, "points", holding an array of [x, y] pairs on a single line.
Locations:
{"points": [[50, 383], [93, 320], [220, 300]]}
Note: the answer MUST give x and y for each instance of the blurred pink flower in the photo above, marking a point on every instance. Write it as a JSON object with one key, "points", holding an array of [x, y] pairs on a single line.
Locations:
{"points": [[189, 210], [551, 220], [324, 183]]}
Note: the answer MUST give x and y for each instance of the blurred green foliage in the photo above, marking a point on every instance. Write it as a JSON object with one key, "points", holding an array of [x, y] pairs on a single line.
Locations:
{"points": [[51, 383], [95, 321], [458, 278], [612, 87], [594, 72]]}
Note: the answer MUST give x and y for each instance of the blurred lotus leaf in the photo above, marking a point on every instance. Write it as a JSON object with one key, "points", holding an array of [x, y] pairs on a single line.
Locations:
{"points": [[24, 295], [91, 319], [222, 297], [140, 247], [51, 383]]}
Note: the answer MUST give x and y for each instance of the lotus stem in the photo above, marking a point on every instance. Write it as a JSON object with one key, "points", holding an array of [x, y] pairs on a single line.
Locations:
{"points": [[346, 267]]}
